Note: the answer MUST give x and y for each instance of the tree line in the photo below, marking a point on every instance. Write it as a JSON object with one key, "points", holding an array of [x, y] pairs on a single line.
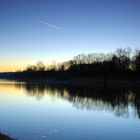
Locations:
{"points": [[123, 61]]}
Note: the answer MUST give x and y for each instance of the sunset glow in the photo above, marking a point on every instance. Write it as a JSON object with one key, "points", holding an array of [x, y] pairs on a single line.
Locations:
{"points": [[32, 31]]}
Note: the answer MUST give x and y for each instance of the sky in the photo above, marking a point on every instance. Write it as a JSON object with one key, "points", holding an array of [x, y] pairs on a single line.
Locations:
{"points": [[48, 30]]}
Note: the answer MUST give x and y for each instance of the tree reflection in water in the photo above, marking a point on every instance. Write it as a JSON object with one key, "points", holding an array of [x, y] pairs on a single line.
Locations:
{"points": [[118, 101]]}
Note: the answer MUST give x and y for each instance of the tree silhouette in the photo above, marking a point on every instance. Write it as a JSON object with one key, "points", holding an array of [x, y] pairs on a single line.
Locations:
{"points": [[137, 61], [121, 62]]}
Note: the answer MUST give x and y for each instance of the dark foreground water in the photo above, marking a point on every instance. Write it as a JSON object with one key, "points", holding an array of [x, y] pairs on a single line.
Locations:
{"points": [[41, 112]]}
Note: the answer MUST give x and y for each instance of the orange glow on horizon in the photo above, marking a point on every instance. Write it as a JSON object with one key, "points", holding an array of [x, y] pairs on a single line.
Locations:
{"points": [[14, 66], [11, 68], [3, 69], [21, 65]]}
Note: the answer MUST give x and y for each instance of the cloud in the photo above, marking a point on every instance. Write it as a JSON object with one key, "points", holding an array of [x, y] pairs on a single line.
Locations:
{"points": [[50, 25]]}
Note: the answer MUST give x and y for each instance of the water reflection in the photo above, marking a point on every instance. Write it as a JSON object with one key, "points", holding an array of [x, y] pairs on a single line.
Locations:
{"points": [[122, 102]]}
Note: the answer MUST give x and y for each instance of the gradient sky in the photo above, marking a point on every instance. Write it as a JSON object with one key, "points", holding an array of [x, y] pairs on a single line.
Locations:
{"points": [[47, 30]]}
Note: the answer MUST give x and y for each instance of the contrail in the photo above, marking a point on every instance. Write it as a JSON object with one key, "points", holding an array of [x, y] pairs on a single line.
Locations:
{"points": [[50, 25]]}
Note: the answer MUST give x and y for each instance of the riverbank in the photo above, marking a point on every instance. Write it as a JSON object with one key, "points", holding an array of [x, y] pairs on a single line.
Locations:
{"points": [[5, 137], [97, 82]]}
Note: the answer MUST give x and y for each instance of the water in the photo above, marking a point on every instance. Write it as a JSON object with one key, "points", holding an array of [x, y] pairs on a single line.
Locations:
{"points": [[42, 112]]}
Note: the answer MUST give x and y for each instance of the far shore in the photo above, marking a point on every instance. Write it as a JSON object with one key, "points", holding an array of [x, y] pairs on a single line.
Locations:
{"points": [[99, 82]]}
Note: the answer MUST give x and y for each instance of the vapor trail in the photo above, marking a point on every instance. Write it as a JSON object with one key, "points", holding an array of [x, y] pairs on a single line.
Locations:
{"points": [[50, 25]]}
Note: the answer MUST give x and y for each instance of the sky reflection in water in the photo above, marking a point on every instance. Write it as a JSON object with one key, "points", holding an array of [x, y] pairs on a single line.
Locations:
{"points": [[38, 112]]}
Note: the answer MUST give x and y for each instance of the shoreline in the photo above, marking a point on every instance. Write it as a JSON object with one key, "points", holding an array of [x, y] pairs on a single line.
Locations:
{"points": [[5, 137], [99, 82]]}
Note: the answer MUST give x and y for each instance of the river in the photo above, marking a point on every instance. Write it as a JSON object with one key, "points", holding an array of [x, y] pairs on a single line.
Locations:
{"points": [[42, 112]]}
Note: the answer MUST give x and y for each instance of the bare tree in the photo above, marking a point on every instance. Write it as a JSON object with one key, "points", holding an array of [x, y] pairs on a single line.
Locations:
{"points": [[40, 66], [137, 61], [31, 68], [79, 59]]}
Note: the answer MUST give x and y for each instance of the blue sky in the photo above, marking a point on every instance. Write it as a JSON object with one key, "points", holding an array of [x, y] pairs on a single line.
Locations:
{"points": [[87, 26]]}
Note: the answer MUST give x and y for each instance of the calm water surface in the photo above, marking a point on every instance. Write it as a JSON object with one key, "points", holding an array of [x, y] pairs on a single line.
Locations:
{"points": [[42, 112]]}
